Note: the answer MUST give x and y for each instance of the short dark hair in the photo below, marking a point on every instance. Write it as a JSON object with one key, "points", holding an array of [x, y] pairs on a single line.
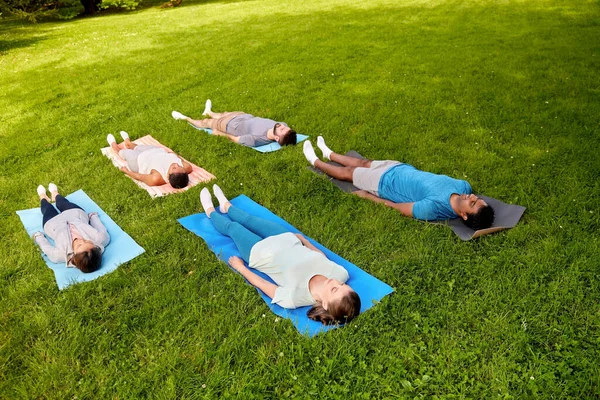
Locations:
{"points": [[88, 261], [482, 219], [289, 138], [179, 180], [340, 312]]}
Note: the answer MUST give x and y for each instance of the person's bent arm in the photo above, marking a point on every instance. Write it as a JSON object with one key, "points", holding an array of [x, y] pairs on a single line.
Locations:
{"points": [[102, 237], [54, 254], [265, 286], [308, 244], [148, 179], [186, 165], [404, 208]]}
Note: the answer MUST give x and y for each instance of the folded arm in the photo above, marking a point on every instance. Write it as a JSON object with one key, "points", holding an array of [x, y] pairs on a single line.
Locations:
{"points": [[186, 165], [54, 254], [265, 286], [404, 208], [102, 234]]}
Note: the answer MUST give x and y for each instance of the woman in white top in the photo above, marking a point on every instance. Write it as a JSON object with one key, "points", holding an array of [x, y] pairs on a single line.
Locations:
{"points": [[303, 274], [152, 165]]}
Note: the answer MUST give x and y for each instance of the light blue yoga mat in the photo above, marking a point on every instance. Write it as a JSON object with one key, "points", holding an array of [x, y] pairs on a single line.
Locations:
{"points": [[370, 289], [121, 248], [265, 148]]}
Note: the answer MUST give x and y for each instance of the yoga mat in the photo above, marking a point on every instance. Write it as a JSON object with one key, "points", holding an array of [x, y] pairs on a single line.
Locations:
{"points": [[506, 215], [198, 175], [265, 148], [370, 289], [121, 248]]}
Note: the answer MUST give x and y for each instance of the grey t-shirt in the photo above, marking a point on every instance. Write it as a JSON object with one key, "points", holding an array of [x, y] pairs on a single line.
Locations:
{"points": [[251, 130]]}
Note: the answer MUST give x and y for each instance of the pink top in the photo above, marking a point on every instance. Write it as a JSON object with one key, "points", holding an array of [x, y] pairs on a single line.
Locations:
{"points": [[74, 232]]}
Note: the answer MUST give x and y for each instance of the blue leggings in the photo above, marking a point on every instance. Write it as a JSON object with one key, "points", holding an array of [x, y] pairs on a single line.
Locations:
{"points": [[49, 212], [244, 229]]}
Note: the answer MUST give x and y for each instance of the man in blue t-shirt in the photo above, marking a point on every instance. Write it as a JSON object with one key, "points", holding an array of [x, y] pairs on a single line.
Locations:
{"points": [[414, 193], [242, 128]]}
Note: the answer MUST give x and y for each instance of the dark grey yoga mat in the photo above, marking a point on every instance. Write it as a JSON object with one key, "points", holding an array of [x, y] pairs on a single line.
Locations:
{"points": [[507, 215]]}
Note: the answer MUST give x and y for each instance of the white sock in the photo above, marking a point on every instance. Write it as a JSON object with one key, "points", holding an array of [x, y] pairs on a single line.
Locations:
{"points": [[179, 116], [221, 197], [326, 150], [206, 199], [207, 107], [41, 190], [124, 135], [52, 188], [309, 152]]}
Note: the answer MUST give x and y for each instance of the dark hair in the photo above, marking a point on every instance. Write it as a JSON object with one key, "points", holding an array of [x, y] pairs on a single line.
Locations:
{"points": [[339, 312], [88, 261], [482, 219], [289, 138], [179, 180]]}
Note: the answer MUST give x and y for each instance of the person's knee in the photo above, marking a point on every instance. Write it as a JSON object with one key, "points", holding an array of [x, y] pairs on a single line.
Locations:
{"points": [[366, 163], [348, 173]]}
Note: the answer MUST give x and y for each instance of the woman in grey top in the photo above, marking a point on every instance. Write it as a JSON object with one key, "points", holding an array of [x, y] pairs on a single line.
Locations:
{"points": [[79, 237], [303, 275]]}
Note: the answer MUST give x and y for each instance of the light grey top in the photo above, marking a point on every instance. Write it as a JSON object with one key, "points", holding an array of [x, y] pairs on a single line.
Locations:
{"points": [[251, 130], [158, 159], [291, 265], [89, 227]]}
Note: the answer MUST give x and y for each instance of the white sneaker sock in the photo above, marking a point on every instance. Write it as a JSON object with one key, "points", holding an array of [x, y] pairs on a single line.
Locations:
{"points": [[110, 138], [52, 188], [221, 197], [207, 107], [41, 190], [179, 116], [206, 199], [326, 150], [309, 152], [124, 135]]}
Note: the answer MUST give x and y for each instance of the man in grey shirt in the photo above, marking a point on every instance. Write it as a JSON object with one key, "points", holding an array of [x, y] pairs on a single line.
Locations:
{"points": [[242, 128]]}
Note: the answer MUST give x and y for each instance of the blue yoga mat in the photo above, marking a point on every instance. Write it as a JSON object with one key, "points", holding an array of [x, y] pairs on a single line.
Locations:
{"points": [[265, 148], [121, 248], [370, 289]]}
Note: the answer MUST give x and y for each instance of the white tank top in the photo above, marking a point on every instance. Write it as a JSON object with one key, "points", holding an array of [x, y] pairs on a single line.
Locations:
{"points": [[159, 160]]}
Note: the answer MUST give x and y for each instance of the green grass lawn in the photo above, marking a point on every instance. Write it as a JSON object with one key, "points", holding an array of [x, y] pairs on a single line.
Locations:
{"points": [[504, 94]]}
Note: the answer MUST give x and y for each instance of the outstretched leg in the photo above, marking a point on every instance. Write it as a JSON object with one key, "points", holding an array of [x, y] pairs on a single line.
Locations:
{"points": [[350, 161], [243, 238], [259, 226], [214, 115], [341, 173], [340, 159], [202, 123], [63, 204], [48, 211]]}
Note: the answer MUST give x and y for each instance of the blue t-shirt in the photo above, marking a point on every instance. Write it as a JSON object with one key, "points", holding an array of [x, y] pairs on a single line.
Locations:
{"points": [[430, 192]]}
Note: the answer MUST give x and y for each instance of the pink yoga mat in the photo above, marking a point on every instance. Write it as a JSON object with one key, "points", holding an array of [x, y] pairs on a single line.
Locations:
{"points": [[197, 176]]}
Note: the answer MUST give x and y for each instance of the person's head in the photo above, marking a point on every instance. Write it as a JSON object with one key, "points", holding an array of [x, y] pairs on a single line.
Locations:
{"points": [[178, 178], [284, 135], [87, 257], [339, 304], [475, 212]]}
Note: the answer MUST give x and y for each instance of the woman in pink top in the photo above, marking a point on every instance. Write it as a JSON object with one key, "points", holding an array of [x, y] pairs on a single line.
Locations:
{"points": [[79, 237]]}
